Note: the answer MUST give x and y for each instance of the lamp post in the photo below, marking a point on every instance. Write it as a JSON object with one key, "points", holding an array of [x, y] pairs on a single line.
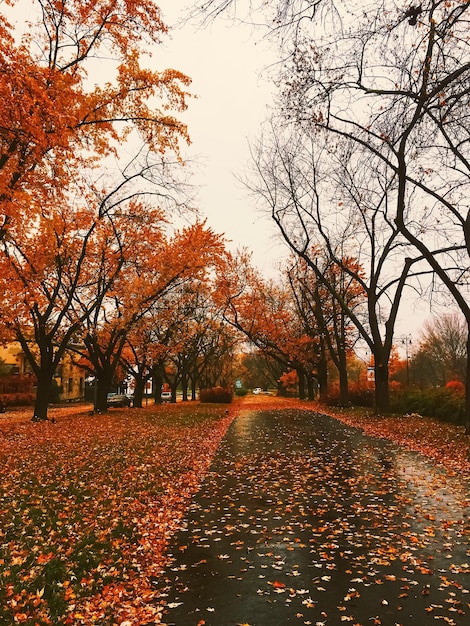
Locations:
{"points": [[406, 341]]}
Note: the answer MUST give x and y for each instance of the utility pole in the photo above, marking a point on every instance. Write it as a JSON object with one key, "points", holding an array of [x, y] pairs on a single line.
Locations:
{"points": [[406, 341]]}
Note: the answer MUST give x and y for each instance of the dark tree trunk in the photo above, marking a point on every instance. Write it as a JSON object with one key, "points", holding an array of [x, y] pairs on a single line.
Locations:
{"points": [[43, 393], [323, 380], [382, 390], [310, 388], [301, 377], [467, 390], [343, 380], [281, 390], [139, 391], [157, 379], [194, 385], [103, 386], [184, 385], [322, 370]]}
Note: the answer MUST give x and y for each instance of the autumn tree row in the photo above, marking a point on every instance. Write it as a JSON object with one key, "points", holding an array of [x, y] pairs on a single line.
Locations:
{"points": [[91, 184]]}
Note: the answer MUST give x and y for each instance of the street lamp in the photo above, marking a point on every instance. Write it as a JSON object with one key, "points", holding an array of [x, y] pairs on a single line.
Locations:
{"points": [[406, 341]]}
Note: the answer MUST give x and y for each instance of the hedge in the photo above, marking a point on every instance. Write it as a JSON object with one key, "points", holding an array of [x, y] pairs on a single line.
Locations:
{"points": [[216, 394]]}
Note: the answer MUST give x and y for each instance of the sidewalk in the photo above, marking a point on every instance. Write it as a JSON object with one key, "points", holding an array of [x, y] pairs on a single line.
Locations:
{"points": [[303, 520]]}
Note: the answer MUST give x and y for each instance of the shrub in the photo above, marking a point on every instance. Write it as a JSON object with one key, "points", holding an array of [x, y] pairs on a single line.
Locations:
{"points": [[359, 395], [18, 399], [440, 402], [17, 383], [241, 392], [216, 394], [456, 385]]}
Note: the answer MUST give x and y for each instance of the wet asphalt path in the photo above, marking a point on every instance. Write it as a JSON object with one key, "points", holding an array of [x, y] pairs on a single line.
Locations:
{"points": [[302, 520]]}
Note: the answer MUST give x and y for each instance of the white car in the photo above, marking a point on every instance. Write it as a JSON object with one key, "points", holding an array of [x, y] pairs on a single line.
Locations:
{"points": [[257, 391], [166, 396]]}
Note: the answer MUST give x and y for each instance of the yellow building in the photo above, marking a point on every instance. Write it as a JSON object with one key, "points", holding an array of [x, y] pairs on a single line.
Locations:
{"points": [[13, 357], [69, 377]]}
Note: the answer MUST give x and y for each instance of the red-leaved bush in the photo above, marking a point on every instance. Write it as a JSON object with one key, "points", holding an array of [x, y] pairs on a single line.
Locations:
{"points": [[456, 385], [18, 399], [216, 394]]}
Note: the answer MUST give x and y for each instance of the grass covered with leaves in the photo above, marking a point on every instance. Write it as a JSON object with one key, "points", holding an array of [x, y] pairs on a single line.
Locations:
{"points": [[87, 507], [445, 443]]}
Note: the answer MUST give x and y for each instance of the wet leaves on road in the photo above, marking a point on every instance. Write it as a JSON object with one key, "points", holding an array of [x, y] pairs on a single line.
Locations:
{"points": [[304, 520]]}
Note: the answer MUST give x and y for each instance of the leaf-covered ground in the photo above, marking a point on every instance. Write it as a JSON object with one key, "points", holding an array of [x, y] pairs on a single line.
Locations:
{"points": [[87, 507], [89, 504], [445, 443], [303, 520]]}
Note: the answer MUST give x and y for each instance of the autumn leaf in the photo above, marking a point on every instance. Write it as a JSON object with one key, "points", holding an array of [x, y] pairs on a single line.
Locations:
{"points": [[278, 585]]}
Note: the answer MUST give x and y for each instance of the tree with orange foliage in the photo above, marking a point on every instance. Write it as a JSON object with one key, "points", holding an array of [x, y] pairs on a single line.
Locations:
{"points": [[61, 228], [160, 335], [47, 262], [145, 350], [263, 311], [182, 341], [324, 317], [54, 120], [156, 264]]}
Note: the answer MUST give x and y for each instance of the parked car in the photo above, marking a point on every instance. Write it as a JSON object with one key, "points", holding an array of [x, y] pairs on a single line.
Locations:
{"points": [[166, 396], [257, 391], [118, 400]]}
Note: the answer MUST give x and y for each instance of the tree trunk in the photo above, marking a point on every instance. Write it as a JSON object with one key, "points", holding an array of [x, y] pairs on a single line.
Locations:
{"points": [[382, 390], [467, 388], [343, 381], [139, 391], [184, 385], [194, 385], [322, 371], [157, 380], [310, 388], [322, 376], [301, 377], [101, 399], [43, 392], [281, 390]]}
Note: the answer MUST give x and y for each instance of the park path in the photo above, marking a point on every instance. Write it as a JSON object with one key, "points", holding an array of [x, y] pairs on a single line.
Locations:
{"points": [[303, 520]]}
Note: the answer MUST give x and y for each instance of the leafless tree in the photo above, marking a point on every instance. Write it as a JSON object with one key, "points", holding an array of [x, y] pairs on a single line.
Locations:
{"points": [[402, 92], [443, 341], [333, 200]]}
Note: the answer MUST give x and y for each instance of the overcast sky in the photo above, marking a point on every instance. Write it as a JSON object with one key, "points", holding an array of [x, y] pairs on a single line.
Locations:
{"points": [[225, 61]]}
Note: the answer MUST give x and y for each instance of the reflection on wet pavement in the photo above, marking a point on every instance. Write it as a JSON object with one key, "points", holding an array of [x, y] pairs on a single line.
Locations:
{"points": [[302, 520]]}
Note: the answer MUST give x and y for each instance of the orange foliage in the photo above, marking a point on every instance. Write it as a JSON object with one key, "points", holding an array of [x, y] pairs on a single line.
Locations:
{"points": [[289, 380], [60, 123]]}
